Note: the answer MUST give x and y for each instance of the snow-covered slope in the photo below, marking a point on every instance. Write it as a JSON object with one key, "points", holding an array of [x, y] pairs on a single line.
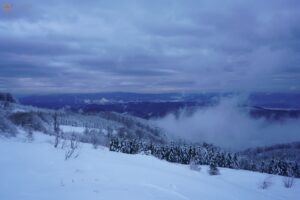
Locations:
{"points": [[38, 171], [103, 124]]}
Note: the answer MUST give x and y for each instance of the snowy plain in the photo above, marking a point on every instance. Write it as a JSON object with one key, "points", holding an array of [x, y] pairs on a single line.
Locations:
{"points": [[37, 171]]}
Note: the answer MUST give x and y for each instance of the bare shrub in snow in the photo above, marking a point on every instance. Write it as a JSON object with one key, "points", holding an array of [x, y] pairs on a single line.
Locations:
{"points": [[63, 144], [72, 148], [30, 135], [86, 131], [56, 141], [266, 183], [56, 131], [94, 140], [288, 181]]}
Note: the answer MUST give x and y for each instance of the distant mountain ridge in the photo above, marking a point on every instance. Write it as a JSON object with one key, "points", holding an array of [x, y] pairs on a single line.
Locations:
{"points": [[268, 105]]}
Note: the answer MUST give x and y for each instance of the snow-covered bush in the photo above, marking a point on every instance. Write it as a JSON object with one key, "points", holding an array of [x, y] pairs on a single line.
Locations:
{"points": [[194, 166], [29, 120], [94, 140], [288, 181], [7, 128], [266, 183], [213, 169], [29, 136]]}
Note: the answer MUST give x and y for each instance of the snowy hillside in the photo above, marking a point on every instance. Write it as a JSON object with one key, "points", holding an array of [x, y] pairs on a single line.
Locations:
{"points": [[103, 124], [36, 170]]}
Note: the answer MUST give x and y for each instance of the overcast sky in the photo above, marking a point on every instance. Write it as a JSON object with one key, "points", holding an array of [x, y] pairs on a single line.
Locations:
{"points": [[149, 46]]}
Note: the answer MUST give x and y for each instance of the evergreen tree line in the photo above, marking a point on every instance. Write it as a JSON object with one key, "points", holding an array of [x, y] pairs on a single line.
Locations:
{"points": [[204, 154]]}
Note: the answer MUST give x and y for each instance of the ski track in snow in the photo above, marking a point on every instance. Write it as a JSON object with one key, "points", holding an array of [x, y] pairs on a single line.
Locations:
{"points": [[167, 191]]}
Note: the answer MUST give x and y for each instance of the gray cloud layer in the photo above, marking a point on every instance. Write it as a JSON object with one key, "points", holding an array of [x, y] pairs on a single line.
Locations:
{"points": [[150, 46]]}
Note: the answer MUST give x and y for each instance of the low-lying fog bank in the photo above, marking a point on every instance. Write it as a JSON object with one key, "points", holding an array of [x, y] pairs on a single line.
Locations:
{"points": [[227, 125]]}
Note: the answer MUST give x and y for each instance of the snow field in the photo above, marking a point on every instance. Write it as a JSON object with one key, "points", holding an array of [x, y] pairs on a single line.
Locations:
{"points": [[38, 171]]}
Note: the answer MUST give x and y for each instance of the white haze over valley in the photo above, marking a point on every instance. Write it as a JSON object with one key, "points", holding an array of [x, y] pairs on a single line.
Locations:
{"points": [[230, 126]]}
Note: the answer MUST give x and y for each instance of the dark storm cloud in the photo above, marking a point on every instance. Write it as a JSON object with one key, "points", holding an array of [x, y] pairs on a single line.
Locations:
{"points": [[150, 45]]}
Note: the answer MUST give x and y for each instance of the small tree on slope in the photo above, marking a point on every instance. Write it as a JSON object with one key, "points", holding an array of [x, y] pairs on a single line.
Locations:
{"points": [[213, 170]]}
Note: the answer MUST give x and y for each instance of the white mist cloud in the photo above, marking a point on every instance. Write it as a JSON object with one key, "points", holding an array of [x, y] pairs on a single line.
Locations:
{"points": [[230, 126]]}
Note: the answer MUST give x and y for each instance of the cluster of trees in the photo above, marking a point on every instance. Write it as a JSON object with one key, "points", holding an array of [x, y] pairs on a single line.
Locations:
{"points": [[204, 154], [109, 123], [273, 166], [142, 129], [7, 128], [7, 97], [287, 151]]}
